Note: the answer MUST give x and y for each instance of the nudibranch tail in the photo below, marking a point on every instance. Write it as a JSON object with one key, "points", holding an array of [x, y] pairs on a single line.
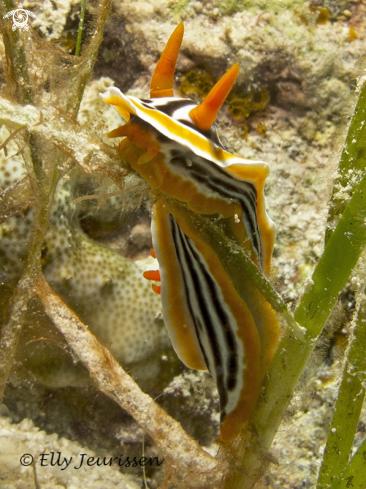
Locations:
{"points": [[204, 115], [163, 78], [215, 318]]}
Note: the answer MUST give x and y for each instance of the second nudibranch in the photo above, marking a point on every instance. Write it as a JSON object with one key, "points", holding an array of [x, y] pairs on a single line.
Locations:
{"points": [[173, 144]]}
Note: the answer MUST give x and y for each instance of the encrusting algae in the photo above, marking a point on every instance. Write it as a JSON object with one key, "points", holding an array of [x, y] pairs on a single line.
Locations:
{"points": [[242, 107]]}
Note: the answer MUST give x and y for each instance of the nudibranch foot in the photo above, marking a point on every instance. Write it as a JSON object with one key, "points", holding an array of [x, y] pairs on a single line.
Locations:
{"points": [[205, 315]]}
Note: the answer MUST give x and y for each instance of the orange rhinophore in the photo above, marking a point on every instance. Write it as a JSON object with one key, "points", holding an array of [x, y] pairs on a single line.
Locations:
{"points": [[163, 78], [204, 115]]}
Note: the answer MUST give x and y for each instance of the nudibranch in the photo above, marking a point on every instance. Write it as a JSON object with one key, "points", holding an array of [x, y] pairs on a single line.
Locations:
{"points": [[173, 144]]}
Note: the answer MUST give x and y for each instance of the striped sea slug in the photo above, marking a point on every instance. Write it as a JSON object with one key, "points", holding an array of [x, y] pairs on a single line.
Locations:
{"points": [[173, 144]]}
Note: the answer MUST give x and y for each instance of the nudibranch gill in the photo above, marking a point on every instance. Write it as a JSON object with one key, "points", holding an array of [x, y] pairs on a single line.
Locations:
{"points": [[173, 144]]}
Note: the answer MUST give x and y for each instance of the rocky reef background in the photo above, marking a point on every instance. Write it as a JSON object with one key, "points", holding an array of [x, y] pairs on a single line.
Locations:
{"points": [[299, 65]]}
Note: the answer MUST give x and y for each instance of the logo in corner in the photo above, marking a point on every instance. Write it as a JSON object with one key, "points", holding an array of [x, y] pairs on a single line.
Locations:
{"points": [[20, 17]]}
